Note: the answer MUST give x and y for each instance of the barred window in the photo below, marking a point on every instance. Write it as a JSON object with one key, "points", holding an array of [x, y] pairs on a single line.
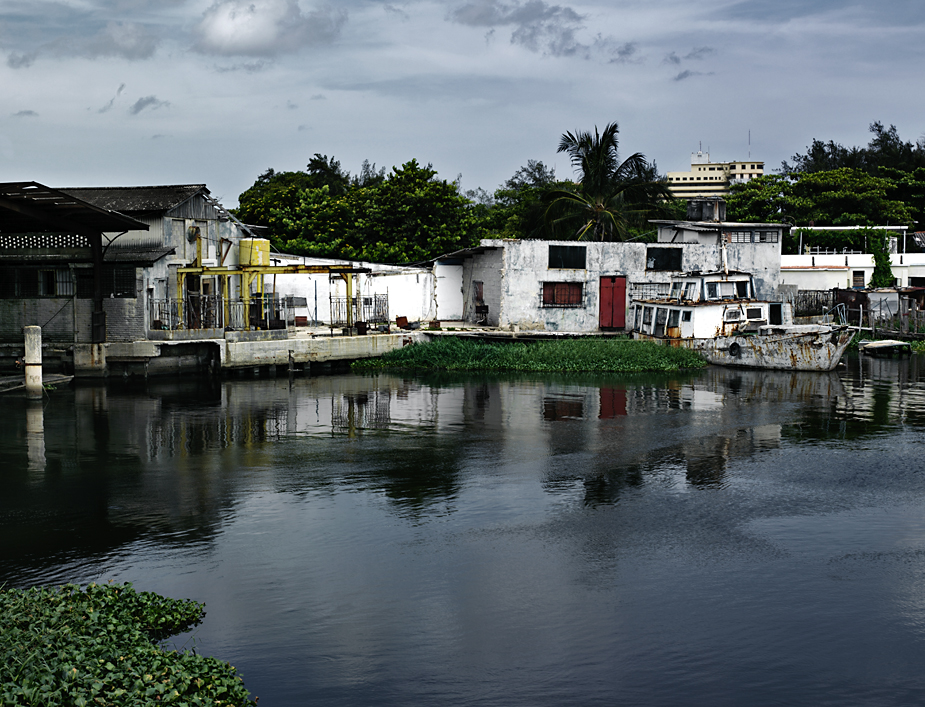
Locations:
{"points": [[562, 294]]}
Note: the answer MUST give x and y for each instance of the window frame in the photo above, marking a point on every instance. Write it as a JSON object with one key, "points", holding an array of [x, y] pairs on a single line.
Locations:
{"points": [[555, 294]]}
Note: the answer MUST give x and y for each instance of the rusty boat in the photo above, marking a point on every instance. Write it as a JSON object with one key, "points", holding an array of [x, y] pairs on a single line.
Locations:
{"points": [[717, 314]]}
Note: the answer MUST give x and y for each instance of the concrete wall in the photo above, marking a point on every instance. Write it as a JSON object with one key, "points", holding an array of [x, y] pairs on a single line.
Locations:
{"points": [[66, 320], [513, 273]]}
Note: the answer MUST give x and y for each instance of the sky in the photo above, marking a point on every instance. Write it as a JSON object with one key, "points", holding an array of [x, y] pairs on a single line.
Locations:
{"points": [[139, 92]]}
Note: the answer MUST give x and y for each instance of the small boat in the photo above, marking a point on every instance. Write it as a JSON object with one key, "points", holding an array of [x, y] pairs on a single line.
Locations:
{"points": [[885, 348], [716, 314]]}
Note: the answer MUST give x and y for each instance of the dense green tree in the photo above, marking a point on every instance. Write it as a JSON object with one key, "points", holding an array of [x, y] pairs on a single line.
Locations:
{"points": [[885, 150], [611, 196], [840, 197], [518, 207], [413, 216], [406, 216]]}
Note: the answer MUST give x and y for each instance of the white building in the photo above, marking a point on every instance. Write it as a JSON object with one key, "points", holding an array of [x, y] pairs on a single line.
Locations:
{"points": [[707, 178]]}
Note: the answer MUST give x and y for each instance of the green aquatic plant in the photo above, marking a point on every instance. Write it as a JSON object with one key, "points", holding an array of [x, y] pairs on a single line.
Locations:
{"points": [[566, 355], [69, 646]]}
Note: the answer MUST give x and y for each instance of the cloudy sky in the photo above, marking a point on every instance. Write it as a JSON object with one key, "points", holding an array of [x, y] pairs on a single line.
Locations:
{"points": [[124, 92]]}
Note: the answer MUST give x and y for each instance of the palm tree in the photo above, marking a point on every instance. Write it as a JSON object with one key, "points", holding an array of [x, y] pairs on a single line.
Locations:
{"points": [[610, 196]]}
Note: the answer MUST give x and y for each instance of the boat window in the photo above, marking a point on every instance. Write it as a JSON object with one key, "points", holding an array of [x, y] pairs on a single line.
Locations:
{"points": [[638, 324], [674, 317], [727, 289], [661, 316], [776, 313], [676, 289], [711, 290], [685, 316], [742, 289], [753, 313], [647, 315], [689, 290], [733, 315]]}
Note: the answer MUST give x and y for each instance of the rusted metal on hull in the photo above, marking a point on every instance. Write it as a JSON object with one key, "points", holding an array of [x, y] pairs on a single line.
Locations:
{"points": [[803, 351]]}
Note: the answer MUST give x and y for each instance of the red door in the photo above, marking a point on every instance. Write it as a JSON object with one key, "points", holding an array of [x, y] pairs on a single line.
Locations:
{"points": [[613, 302]]}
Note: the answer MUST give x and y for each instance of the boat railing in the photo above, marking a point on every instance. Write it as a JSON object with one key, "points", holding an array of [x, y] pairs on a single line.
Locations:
{"points": [[840, 311]]}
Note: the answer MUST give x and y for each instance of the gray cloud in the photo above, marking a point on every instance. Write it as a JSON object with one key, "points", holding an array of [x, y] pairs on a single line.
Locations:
{"points": [[391, 9], [699, 53], [21, 61], [542, 28], [319, 97], [122, 39], [538, 26], [687, 74], [265, 27], [151, 102], [113, 99], [127, 40], [250, 67], [26, 114], [672, 58]]}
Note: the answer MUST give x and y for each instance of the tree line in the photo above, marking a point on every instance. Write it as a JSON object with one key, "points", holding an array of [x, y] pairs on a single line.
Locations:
{"points": [[409, 215], [882, 184]]}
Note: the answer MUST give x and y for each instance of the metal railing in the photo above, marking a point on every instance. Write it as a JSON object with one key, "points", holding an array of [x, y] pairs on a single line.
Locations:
{"points": [[213, 312], [373, 309], [808, 303]]}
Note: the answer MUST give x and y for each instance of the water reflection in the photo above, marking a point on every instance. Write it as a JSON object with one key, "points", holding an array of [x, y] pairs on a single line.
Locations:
{"points": [[106, 466], [459, 531]]}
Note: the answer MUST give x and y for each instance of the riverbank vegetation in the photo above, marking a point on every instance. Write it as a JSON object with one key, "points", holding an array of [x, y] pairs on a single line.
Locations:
{"points": [[74, 647], [452, 353]]}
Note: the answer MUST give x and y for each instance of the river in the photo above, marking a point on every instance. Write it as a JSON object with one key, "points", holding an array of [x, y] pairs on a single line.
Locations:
{"points": [[718, 538]]}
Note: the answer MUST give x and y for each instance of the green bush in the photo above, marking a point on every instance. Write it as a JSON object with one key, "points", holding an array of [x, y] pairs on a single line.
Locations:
{"points": [[568, 355], [99, 646]]}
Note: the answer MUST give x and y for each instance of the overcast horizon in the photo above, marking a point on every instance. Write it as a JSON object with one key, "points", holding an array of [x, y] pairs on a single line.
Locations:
{"points": [[137, 92]]}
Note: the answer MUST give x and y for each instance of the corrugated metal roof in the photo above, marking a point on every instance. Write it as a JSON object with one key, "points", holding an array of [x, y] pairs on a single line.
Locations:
{"points": [[30, 207], [137, 199], [127, 256]]}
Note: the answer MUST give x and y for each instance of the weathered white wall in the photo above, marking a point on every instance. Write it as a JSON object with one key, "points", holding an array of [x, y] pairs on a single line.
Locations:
{"points": [[411, 291], [513, 273]]}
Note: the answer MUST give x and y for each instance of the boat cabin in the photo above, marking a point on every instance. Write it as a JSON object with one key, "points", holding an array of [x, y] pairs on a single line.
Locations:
{"points": [[705, 305]]}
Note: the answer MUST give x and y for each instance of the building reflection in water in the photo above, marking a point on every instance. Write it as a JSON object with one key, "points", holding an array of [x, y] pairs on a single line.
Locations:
{"points": [[170, 460]]}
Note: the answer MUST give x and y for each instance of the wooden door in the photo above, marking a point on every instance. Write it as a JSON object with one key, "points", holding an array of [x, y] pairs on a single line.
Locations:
{"points": [[613, 302]]}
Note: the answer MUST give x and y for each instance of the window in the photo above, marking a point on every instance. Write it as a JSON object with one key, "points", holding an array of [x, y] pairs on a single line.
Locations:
{"points": [[712, 291], [742, 289], [753, 313], [562, 294], [686, 316], [673, 317], [647, 315], [661, 316], [567, 257], [857, 279], [663, 258], [689, 290], [733, 315]]}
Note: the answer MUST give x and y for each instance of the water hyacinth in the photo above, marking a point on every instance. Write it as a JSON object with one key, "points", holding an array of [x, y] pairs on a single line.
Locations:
{"points": [[585, 355], [67, 646]]}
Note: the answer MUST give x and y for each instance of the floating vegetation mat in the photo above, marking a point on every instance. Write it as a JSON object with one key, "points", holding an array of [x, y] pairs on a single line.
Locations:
{"points": [[452, 353], [100, 646]]}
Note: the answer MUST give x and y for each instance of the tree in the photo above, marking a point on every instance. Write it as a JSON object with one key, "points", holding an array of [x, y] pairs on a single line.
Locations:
{"points": [[885, 150], [611, 196]]}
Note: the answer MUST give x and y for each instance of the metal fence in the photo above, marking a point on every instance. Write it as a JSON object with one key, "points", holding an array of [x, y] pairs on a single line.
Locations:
{"points": [[808, 303], [213, 312], [373, 309]]}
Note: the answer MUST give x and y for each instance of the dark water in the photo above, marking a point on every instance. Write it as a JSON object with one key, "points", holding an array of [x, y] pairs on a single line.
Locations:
{"points": [[721, 538]]}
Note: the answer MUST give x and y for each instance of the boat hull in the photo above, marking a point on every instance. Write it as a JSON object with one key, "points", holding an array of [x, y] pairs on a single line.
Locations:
{"points": [[802, 351]]}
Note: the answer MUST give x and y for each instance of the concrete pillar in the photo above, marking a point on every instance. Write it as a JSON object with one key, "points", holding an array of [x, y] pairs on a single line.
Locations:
{"points": [[33, 361]]}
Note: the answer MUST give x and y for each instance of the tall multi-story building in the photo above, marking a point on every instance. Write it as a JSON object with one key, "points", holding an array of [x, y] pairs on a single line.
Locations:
{"points": [[711, 178]]}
